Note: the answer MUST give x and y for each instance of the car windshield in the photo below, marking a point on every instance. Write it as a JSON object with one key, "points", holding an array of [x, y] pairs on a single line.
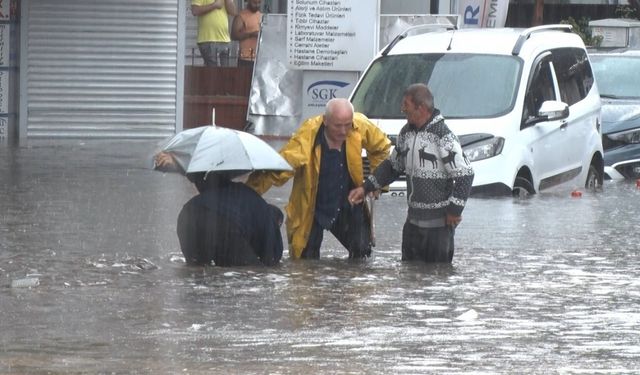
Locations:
{"points": [[617, 76], [463, 85]]}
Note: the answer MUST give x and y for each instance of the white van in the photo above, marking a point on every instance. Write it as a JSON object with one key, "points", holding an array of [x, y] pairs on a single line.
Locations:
{"points": [[523, 102]]}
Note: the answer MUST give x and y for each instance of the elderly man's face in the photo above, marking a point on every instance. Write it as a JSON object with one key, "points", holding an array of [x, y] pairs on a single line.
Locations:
{"points": [[338, 125]]}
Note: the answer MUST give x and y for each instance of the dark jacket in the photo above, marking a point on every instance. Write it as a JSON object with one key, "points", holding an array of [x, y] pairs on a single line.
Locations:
{"points": [[230, 224]]}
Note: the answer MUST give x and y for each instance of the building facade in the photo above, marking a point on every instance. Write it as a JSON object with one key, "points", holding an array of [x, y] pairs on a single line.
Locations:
{"points": [[115, 69]]}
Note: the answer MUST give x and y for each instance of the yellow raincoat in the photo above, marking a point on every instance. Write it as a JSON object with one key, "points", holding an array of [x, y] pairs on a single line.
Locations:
{"points": [[303, 154]]}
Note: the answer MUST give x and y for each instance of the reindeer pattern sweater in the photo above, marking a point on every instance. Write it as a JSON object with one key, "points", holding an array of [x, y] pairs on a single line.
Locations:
{"points": [[439, 176]]}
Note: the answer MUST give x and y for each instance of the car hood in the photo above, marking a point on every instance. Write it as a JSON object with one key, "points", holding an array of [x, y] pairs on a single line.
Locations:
{"points": [[619, 115]]}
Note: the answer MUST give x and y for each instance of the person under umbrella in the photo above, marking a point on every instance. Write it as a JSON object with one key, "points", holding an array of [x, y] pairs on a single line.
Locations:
{"points": [[227, 223]]}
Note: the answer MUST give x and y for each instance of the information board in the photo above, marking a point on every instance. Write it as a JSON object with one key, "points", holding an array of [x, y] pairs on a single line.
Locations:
{"points": [[318, 87], [8, 69], [4, 92], [331, 34], [5, 7], [4, 45]]}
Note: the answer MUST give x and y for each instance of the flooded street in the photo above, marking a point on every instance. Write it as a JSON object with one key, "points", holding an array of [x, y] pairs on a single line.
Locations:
{"points": [[549, 284]]}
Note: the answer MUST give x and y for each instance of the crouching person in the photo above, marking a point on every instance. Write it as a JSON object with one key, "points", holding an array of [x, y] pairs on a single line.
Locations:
{"points": [[228, 224]]}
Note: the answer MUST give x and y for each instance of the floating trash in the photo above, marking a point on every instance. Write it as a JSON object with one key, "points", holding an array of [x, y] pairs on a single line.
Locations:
{"points": [[468, 316], [196, 327], [145, 264], [28, 282]]}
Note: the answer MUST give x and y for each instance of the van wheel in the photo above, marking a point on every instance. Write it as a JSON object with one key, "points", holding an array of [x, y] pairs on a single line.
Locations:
{"points": [[522, 188], [593, 179]]}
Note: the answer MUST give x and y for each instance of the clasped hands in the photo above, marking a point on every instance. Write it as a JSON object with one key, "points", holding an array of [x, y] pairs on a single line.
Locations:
{"points": [[356, 196]]}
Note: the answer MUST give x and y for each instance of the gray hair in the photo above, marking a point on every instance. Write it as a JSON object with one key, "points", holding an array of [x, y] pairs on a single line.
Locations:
{"points": [[420, 94]]}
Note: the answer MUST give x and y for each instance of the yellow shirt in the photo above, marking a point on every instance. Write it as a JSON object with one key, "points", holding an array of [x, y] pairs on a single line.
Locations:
{"points": [[213, 26]]}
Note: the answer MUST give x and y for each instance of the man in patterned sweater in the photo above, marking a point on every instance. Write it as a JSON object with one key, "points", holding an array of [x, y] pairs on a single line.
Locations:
{"points": [[439, 179]]}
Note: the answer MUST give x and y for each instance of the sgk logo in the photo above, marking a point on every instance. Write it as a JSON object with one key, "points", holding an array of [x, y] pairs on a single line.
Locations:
{"points": [[325, 90]]}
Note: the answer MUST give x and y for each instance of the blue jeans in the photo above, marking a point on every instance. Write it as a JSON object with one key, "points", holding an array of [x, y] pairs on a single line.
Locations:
{"points": [[214, 53]]}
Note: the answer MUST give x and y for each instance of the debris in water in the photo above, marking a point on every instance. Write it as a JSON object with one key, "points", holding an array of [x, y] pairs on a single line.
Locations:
{"points": [[27, 282], [469, 315]]}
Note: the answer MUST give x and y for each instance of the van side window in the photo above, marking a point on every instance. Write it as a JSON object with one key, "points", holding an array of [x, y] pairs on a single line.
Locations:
{"points": [[540, 90], [573, 70]]}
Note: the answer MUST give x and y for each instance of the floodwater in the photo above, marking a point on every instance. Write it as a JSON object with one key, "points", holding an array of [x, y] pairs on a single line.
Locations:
{"points": [[546, 285]]}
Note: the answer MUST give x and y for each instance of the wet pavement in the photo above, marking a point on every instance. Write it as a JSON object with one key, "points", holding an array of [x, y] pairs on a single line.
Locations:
{"points": [[549, 284]]}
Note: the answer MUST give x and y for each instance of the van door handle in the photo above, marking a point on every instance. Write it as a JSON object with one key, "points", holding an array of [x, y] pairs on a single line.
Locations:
{"points": [[563, 125]]}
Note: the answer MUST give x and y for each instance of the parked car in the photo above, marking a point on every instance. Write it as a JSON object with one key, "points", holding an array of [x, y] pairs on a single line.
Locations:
{"points": [[523, 102], [618, 76]]}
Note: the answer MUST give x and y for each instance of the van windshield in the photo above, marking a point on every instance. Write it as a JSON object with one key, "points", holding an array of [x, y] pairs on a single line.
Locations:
{"points": [[463, 85]]}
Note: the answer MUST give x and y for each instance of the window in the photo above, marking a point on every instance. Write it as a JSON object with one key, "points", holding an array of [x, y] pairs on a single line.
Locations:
{"points": [[575, 77], [540, 90], [463, 85], [617, 75]]}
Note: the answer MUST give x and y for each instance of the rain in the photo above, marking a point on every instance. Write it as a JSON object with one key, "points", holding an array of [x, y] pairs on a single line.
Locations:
{"points": [[92, 280]]}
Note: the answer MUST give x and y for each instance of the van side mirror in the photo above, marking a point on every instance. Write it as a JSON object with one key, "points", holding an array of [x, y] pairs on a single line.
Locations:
{"points": [[553, 110], [550, 110]]}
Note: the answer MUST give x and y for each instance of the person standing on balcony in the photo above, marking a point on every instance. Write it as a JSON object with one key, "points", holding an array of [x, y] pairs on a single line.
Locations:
{"points": [[245, 29], [213, 29]]}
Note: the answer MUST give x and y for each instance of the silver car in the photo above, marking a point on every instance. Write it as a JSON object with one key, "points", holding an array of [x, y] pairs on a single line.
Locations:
{"points": [[616, 73]]}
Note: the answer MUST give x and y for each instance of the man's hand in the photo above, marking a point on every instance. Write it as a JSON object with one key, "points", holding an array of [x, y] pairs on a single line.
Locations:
{"points": [[230, 6], [199, 10], [356, 196], [164, 160], [452, 220]]}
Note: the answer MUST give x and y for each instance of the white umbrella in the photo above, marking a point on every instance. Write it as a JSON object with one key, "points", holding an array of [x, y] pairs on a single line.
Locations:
{"points": [[213, 148]]}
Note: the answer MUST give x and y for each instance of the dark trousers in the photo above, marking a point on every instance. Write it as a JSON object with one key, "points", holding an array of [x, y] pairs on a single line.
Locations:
{"points": [[352, 228], [427, 244]]}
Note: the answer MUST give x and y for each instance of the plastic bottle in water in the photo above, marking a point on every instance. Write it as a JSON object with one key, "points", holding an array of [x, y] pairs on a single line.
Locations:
{"points": [[27, 282]]}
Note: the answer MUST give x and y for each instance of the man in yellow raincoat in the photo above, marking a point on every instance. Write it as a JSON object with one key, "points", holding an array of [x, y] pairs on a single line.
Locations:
{"points": [[326, 156]]}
